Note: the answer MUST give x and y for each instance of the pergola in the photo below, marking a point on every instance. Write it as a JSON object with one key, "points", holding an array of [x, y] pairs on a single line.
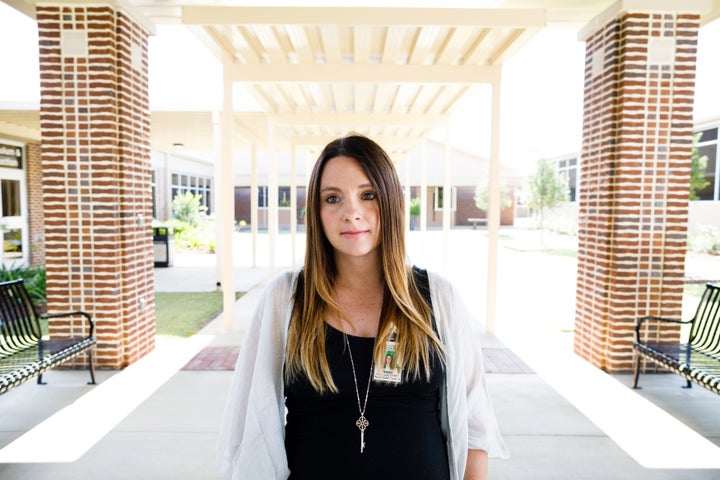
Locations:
{"points": [[392, 72]]}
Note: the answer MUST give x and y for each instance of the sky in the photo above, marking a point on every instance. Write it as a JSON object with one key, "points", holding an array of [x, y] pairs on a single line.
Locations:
{"points": [[541, 93]]}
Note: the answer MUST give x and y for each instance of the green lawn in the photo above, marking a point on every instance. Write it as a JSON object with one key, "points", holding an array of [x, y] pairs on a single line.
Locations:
{"points": [[182, 314]]}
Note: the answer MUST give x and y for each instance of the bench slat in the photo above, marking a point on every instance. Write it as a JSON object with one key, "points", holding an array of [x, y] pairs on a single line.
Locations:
{"points": [[704, 333]]}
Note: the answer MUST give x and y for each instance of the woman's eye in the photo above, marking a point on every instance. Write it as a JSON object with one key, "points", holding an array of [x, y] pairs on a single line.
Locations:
{"points": [[332, 199], [369, 196]]}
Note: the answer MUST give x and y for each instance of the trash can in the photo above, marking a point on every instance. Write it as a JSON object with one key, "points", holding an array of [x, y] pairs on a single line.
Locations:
{"points": [[163, 246]]}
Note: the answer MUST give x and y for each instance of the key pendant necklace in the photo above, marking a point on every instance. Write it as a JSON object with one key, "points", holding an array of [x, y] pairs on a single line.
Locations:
{"points": [[362, 422]]}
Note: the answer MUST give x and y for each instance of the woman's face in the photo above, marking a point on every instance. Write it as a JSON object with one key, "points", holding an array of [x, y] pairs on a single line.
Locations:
{"points": [[349, 209]]}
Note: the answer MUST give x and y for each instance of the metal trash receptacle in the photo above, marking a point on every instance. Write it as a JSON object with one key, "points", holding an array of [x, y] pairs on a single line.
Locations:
{"points": [[163, 246]]}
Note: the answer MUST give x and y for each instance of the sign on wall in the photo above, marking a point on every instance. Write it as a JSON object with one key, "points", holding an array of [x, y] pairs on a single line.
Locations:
{"points": [[10, 156]]}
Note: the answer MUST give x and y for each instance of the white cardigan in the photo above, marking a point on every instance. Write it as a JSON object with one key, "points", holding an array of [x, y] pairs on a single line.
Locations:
{"points": [[251, 442]]}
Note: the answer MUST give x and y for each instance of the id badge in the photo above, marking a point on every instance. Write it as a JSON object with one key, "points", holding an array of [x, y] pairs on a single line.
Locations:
{"points": [[390, 371]]}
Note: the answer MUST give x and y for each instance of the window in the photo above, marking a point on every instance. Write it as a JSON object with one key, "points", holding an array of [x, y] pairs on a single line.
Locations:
{"points": [[194, 184], [10, 198], [13, 206], [438, 198], [283, 197], [708, 146], [12, 244], [568, 167]]}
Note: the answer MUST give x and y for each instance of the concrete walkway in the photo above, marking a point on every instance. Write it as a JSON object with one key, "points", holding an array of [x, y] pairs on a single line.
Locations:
{"points": [[565, 420]]}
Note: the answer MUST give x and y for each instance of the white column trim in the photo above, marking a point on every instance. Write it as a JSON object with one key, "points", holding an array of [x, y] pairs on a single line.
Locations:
{"points": [[494, 207], [272, 197], [254, 217], [447, 198], [226, 204], [622, 6], [293, 202]]}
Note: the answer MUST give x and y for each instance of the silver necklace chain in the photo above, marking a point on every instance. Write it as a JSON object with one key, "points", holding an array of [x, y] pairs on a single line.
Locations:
{"points": [[362, 422]]}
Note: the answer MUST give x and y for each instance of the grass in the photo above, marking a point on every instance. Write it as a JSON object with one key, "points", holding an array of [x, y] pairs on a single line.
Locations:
{"points": [[182, 314]]}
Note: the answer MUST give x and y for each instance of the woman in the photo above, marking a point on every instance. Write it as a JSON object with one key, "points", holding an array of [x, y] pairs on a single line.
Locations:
{"points": [[307, 400]]}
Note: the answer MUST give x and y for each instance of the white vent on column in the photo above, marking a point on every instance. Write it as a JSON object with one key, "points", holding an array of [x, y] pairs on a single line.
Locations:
{"points": [[598, 59], [136, 56], [661, 50], [74, 43]]}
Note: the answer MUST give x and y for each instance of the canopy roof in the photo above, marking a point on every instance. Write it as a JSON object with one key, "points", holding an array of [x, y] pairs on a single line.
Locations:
{"points": [[394, 73]]}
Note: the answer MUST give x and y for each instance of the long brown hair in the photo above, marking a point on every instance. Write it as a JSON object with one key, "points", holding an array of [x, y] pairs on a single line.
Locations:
{"points": [[403, 305]]}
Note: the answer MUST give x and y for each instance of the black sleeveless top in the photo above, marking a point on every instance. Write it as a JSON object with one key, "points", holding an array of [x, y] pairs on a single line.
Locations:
{"points": [[403, 438]]}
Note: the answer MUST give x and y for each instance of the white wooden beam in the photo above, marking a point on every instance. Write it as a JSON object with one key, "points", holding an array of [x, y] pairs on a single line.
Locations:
{"points": [[362, 43], [213, 41], [378, 119], [388, 143], [20, 131], [511, 45], [351, 16], [324, 73]]}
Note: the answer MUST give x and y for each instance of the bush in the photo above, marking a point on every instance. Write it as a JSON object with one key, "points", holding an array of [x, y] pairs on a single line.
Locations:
{"points": [[34, 279], [707, 241], [199, 237], [193, 229], [187, 208]]}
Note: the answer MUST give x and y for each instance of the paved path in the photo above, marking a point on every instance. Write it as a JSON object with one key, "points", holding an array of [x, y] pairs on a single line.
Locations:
{"points": [[556, 426]]}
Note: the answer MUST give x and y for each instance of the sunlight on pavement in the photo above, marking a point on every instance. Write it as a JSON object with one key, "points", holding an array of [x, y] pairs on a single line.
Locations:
{"points": [[650, 435], [96, 413]]}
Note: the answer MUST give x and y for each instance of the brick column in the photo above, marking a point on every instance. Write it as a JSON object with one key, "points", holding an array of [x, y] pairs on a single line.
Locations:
{"points": [[637, 133], [33, 167], [96, 176]]}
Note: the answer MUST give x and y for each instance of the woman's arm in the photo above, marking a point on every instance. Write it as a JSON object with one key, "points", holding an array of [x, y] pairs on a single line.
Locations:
{"points": [[477, 465]]}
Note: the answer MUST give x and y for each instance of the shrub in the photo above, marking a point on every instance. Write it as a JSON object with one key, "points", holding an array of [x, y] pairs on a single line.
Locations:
{"points": [[707, 241], [34, 279], [199, 237], [187, 207]]}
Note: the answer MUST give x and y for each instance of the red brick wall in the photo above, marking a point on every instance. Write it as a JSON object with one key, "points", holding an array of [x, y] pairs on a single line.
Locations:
{"points": [[635, 175], [36, 219], [95, 130]]}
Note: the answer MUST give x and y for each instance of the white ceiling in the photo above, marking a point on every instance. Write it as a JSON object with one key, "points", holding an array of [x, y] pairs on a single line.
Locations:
{"points": [[391, 72]]}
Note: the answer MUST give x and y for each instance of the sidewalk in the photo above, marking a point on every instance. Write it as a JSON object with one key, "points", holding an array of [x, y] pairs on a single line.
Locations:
{"points": [[556, 420]]}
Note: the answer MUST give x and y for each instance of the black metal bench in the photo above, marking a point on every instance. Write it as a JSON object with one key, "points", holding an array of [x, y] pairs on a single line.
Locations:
{"points": [[478, 221], [698, 360], [24, 352]]}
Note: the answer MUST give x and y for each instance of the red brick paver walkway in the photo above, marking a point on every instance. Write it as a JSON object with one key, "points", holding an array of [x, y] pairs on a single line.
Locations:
{"points": [[497, 360]]}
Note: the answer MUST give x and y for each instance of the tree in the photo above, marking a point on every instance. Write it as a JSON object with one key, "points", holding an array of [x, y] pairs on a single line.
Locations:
{"points": [[414, 211], [697, 169], [547, 188], [482, 196], [187, 207], [414, 207]]}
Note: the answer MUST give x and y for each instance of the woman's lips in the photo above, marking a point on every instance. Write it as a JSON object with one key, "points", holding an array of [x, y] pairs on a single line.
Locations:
{"points": [[353, 233]]}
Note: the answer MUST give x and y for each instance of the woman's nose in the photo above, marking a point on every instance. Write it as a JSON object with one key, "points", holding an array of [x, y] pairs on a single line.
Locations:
{"points": [[352, 211]]}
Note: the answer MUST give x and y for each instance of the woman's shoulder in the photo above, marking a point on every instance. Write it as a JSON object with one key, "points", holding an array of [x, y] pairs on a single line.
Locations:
{"points": [[282, 283], [438, 282]]}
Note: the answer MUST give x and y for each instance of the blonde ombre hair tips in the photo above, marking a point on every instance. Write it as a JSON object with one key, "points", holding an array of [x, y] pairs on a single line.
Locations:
{"points": [[403, 304]]}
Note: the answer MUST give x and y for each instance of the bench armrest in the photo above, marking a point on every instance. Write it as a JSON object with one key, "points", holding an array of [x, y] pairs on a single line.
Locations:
{"points": [[653, 318], [88, 317]]}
